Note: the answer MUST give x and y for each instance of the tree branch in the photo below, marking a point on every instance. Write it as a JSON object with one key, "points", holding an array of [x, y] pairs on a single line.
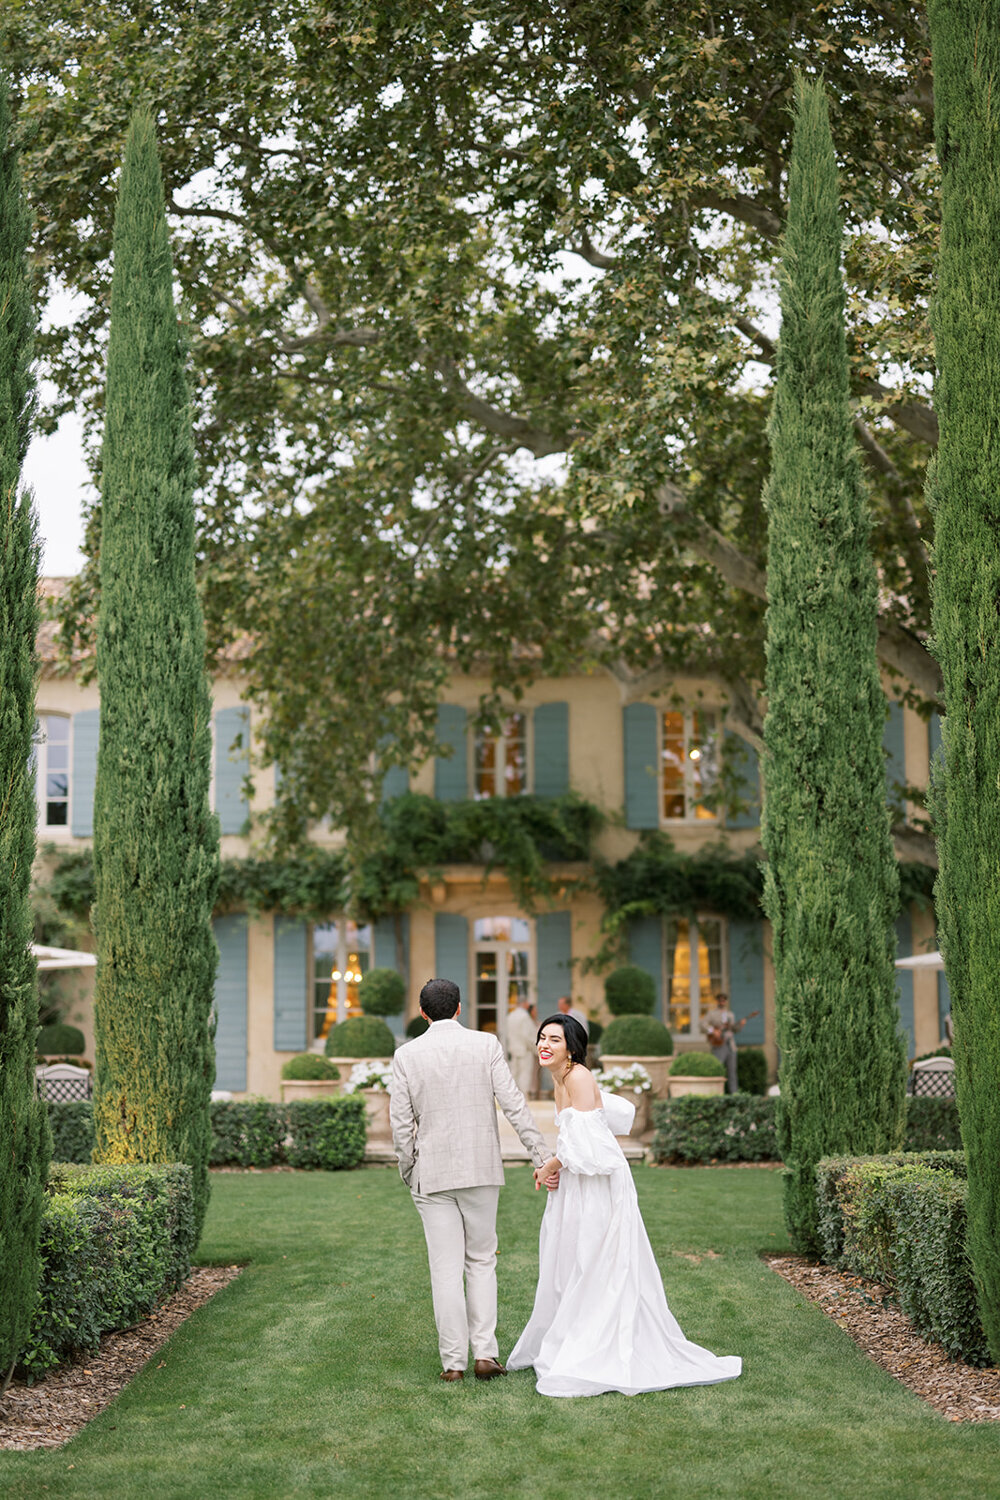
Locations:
{"points": [[535, 439], [739, 206]]}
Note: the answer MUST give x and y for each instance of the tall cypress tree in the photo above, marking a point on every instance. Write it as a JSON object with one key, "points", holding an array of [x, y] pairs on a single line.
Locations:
{"points": [[831, 885], [964, 491], [24, 1134], [156, 844]]}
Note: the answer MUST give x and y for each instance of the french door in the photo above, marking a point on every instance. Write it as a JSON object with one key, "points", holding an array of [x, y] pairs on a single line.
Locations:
{"points": [[502, 955]]}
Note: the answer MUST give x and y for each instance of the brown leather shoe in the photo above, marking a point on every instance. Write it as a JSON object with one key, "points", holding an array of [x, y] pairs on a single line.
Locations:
{"points": [[489, 1369], [452, 1374]]}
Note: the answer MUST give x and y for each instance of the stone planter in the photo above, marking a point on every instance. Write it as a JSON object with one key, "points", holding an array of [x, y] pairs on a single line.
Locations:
{"points": [[679, 1086], [377, 1119], [308, 1088], [345, 1064], [658, 1069]]}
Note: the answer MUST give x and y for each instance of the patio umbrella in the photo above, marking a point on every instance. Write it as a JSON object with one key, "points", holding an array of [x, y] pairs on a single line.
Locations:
{"points": [[62, 958]]}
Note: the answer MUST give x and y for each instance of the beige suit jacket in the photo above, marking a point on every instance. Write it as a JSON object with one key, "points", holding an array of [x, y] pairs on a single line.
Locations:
{"points": [[444, 1120]]}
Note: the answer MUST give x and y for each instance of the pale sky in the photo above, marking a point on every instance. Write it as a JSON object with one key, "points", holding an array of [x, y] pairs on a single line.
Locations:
{"points": [[56, 471]]}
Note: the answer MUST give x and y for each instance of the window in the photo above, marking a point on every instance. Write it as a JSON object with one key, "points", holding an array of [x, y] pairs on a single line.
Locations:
{"points": [[52, 770], [695, 971], [502, 947], [501, 760], [689, 760], [341, 956]]}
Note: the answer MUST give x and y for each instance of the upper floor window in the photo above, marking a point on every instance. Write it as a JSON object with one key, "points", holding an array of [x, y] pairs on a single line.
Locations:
{"points": [[695, 971], [341, 957], [689, 760], [501, 760], [52, 770]]}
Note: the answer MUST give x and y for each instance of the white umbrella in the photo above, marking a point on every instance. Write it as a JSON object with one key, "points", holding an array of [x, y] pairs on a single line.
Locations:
{"points": [[921, 961], [62, 958]]}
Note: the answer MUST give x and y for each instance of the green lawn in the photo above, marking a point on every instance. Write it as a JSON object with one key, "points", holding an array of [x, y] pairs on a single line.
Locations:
{"points": [[315, 1373]]}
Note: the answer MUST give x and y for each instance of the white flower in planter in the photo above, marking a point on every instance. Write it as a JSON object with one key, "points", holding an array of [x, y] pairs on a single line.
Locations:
{"points": [[369, 1075], [617, 1080]]}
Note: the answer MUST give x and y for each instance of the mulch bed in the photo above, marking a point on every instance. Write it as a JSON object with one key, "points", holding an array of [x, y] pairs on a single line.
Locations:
{"points": [[48, 1414], [960, 1392]]}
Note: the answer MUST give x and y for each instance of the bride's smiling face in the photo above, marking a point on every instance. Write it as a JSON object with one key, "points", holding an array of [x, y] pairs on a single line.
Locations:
{"points": [[552, 1049]]}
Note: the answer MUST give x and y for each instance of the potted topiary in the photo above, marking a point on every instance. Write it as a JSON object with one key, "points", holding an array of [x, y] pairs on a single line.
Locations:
{"points": [[630, 1039], [632, 1083], [382, 992], [308, 1076], [630, 991], [696, 1073], [416, 1027], [60, 1042], [359, 1036]]}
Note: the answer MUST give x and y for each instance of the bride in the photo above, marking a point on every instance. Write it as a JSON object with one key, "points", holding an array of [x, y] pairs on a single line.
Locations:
{"points": [[600, 1320]]}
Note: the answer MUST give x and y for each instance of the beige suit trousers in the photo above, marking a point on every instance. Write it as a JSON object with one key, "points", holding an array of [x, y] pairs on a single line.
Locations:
{"points": [[460, 1227]]}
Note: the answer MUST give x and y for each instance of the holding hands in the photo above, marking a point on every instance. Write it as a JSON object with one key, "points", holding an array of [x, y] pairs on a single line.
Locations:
{"points": [[547, 1175]]}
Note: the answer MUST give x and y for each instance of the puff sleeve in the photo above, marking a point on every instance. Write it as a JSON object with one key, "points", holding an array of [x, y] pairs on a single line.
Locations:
{"points": [[586, 1146]]}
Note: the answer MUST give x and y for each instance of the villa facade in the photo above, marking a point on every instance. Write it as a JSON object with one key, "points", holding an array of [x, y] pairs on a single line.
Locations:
{"points": [[647, 764]]}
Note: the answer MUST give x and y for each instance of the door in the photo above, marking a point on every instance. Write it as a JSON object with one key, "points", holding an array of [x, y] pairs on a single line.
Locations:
{"points": [[503, 970]]}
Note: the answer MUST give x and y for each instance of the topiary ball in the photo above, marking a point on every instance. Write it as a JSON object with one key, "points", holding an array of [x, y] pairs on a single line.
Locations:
{"points": [[696, 1065], [636, 1036], [382, 992], [61, 1038], [751, 1070], [309, 1067], [416, 1027], [360, 1036], [595, 1033], [630, 991]]}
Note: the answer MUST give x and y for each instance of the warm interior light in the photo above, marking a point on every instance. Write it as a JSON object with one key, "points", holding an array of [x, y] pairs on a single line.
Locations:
{"points": [[696, 755], [336, 975]]}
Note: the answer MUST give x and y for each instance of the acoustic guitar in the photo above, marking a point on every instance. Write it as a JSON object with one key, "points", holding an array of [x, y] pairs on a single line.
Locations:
{"points": [[717, 1035]]}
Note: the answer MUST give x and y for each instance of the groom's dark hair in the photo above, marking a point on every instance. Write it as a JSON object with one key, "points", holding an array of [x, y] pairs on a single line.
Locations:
{"points": [[439, 999]]}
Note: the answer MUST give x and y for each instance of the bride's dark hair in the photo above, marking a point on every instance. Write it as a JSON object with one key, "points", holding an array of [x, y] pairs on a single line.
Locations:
{"points": [[576, 1037]]}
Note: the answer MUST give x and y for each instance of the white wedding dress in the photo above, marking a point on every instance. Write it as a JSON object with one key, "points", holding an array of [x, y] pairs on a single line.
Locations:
{"points": [[601, 1320]]}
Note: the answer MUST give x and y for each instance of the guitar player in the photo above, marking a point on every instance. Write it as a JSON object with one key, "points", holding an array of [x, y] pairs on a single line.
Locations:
{"points": [[721, 1027]]}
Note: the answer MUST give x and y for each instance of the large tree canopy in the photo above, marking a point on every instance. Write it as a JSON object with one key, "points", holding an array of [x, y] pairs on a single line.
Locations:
{"points": [[480, 301]]}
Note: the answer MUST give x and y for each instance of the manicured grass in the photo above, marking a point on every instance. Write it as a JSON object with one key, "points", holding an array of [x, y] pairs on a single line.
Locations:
{"points": [[315, 1373]]}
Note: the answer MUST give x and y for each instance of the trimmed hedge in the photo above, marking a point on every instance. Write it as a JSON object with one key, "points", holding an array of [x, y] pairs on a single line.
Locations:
{"points": [[700, 1129], [327, 1133], [309, 1067], [115, 1241], [715, 1127], [901, 1221], [751, 1070], [60, 1037]]}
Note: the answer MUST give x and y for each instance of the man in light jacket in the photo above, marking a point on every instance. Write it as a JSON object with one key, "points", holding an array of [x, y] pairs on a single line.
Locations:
{"points": [[444, 1130]]}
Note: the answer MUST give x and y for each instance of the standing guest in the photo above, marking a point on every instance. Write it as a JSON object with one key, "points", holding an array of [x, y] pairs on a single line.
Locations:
{"points": [[444, 1130], [521, 1052], [565, 1007], [721, 1026]]}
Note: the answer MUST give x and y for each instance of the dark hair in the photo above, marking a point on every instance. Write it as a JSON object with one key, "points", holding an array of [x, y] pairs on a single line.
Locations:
{"points": [[439, 999], [576, 1037]]}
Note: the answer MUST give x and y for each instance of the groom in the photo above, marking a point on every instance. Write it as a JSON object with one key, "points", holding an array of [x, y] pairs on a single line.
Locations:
{"points": [[444, 1130]]}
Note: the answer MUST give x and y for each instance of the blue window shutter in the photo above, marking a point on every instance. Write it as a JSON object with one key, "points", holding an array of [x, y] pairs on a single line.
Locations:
{"points": [[291, 986], [451, 953], [86, 732], [645, 950], [741, 760], [231, 767], [396, 780], [384, 957], [904, 981], [746, 979], [642, 781], [554, 943], [550, 725], [451, 775], [892, 743], [231, 1002]]}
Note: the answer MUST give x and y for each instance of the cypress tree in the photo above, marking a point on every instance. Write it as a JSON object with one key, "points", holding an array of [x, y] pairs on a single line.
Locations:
{"points": [[24, 1133], [831, 886], [964, 489], [156, 844]]}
